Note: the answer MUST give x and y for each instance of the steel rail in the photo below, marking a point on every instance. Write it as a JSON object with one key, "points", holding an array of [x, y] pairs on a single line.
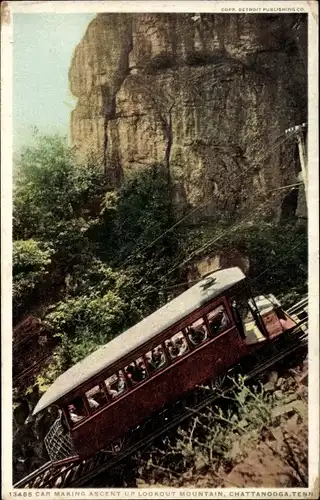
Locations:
{"points": [[29, 369], [299, 305]]}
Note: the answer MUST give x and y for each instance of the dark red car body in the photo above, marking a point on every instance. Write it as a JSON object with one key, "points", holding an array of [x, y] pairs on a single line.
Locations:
{"points": [[213, 357]]}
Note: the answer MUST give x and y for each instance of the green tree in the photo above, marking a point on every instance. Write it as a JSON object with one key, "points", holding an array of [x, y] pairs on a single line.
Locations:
{"points": [[56, 203], [56, 199], [132, 220], [138, 213], [31, 262]]}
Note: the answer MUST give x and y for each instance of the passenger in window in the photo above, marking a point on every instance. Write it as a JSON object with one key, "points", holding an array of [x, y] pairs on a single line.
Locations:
{"points": [[96, 397], [118, 386], [156, 358], [77, 409], [224, 321], [177, 346], [141, 371], [173, 349], [160, 357], [136, 371], [129, 371], [74, 416], [219, 322], [182, 345], [197, 335], [93, 403], [137, 374]]}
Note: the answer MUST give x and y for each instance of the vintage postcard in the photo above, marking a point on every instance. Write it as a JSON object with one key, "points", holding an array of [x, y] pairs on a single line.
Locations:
{"points": [[160, 327]]}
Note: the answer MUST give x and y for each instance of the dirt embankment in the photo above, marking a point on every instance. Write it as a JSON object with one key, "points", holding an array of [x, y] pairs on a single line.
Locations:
{"points": [[275, 455]]}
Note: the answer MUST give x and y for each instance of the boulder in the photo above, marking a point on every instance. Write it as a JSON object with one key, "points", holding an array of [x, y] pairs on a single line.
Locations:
{"points": [[289, 409]]}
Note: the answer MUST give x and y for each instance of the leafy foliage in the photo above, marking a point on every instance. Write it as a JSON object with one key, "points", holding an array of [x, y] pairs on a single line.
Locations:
{"points": [[278, 257], [277, 253], [138, 213], [132, 220], [56, 200], [55, 203], [52, 189], [31, 261]]}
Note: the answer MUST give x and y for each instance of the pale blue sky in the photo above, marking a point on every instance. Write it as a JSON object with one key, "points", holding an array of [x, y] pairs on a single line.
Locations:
{"points": [[43, 45]]}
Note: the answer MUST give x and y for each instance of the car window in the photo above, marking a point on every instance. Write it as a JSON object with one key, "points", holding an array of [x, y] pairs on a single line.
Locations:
{"points": [[136, 371], [116, 384], [76, 410], [177, 345], [218, 320], [96, 397], [156, 358], [197, 332]]}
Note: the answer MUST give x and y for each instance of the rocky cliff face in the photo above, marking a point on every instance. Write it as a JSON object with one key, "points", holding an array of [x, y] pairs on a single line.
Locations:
{"points": [[208, 95]]}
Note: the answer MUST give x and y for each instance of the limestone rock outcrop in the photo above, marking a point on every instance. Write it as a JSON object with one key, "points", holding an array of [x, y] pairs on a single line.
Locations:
{"points": [[207, 95]]}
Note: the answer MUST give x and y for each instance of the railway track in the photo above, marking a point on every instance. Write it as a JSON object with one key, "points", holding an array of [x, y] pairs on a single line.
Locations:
{"points": [[299, 312], [30, 369], [75, 473]]}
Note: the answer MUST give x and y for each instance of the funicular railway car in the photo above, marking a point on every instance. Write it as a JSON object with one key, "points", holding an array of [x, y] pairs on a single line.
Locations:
{"points": [[192, 340]]}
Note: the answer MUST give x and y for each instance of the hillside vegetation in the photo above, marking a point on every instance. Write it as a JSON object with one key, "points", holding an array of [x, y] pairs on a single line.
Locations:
{"points": [[88, 261]]}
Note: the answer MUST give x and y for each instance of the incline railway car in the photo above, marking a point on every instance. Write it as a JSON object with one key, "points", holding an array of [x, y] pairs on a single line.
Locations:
{"points": [[192, 340]]}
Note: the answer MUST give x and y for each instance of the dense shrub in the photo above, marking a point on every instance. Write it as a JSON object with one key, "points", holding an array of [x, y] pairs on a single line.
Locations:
{"points": [[31, 260], [161, 61], [278, 255], [202, 58]]}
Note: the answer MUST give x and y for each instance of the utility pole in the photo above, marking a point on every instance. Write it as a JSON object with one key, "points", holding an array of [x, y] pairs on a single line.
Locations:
{"points": [[298, 132]]}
